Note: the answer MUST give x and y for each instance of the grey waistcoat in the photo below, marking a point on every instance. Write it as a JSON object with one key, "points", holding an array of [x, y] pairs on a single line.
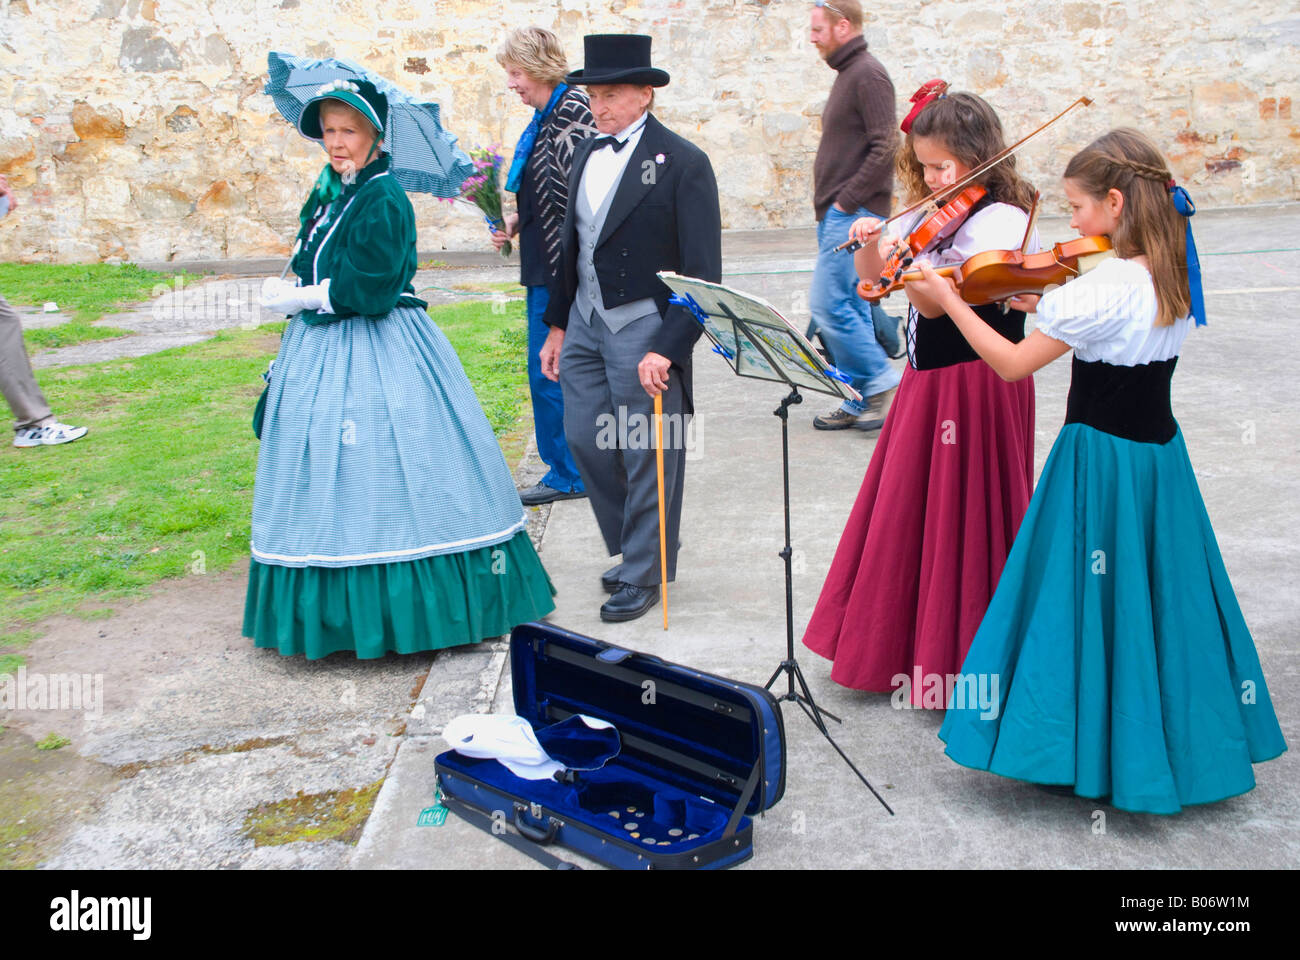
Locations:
{"points": [[588, 299]]}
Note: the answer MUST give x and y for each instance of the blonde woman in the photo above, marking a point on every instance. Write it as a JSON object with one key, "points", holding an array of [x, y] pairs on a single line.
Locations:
{"points": [[539, 176]]}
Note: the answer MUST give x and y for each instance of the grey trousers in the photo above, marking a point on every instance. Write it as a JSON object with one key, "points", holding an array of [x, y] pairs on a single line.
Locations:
{"points": [[609, 426], [16, 380]]}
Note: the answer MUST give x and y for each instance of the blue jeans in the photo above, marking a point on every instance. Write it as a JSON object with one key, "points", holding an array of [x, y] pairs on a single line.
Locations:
{"points": [[844, 320], [548, 403]]}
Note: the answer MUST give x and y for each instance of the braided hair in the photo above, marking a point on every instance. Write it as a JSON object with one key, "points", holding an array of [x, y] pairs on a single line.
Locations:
{"points": [[1149, 224]]}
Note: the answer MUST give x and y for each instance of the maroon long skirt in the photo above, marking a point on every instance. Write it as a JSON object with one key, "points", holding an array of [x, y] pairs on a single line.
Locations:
{"points": [[916, 566]]}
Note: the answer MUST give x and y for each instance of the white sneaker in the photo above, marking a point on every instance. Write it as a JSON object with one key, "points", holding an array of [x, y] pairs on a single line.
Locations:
{"points": [[51, 435]]}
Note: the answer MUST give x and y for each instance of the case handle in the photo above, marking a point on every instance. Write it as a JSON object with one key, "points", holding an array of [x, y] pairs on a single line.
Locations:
{"points": [[535, 834]]}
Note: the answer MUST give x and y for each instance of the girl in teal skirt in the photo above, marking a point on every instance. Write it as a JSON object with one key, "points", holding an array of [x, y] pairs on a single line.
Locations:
{"points": [[384, 515], [1125, 668]]}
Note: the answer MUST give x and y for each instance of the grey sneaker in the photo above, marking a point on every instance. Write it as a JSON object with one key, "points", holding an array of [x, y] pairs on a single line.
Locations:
{"points": [[839, 420]]}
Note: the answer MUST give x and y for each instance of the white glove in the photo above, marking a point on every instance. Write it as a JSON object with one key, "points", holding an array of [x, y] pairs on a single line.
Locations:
{"points": [[283, 297]]}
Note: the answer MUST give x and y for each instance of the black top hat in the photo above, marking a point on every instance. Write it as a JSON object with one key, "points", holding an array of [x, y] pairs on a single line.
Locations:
{"points": [[617, 58]]}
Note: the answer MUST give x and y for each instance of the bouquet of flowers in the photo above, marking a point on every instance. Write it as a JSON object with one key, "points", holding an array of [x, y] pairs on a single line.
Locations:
{"points": [[483, 190]]}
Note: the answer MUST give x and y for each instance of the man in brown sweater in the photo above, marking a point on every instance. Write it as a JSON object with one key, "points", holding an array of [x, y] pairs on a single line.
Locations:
{"points": [[853, 177]]}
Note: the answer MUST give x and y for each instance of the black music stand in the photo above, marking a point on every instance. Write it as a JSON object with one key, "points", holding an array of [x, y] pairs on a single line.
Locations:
{"points": [[758, 342]]}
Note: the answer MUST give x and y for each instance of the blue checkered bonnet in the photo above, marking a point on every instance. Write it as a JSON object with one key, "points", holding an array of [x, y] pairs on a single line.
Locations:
{"points": [[361, 95]]}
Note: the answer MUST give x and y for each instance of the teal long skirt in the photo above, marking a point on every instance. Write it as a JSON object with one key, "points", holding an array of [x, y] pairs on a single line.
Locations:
{"points": [[385, 518], [408, 607], [1124, 667]]}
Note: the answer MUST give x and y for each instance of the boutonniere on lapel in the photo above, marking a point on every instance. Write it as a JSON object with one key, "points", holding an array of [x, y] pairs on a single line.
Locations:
{"points": [[650, 169]]}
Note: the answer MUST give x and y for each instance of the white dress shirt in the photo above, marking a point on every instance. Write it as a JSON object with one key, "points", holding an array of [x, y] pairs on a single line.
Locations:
{"points": [[605, 167]]}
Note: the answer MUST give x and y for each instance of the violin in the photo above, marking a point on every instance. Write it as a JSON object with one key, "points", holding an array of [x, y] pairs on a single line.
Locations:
{"points": [[901, 257], [960, 206], [997, 275]]}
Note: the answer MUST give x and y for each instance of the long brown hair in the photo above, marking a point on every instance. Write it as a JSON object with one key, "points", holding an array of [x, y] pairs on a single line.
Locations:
{"points": [[969, 129], [1149, 223]]}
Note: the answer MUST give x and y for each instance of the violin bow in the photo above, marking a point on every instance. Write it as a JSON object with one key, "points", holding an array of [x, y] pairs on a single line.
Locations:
{"points": [[1033, 222], [978, 171]]}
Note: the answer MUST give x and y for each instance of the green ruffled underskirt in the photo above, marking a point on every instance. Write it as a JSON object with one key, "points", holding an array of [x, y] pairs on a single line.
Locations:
{"points": [[407, 607]]}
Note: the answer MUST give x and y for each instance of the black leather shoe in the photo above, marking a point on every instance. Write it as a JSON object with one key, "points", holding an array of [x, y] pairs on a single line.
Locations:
{"points": [[629, 603], [612, 578], [540, 493]]}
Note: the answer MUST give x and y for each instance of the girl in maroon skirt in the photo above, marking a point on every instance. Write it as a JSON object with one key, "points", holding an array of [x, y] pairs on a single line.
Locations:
{"points": [[952, 471]]}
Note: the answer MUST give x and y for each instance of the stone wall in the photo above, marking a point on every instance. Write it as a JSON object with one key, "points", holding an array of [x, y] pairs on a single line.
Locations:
{"points": [[136, 129]]}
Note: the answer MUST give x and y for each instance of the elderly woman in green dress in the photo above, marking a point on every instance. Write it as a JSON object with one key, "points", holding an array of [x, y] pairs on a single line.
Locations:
{"points": [[384, 515]]}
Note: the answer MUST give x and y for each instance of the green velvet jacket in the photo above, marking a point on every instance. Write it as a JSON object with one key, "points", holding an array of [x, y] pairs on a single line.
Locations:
{"points": [[365, 248]]}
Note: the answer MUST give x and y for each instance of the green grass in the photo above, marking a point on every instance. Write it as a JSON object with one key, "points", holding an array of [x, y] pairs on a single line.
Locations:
{"points": [[68, 334], [504, 287], [162, 486], [85, 292], [492, 340]]}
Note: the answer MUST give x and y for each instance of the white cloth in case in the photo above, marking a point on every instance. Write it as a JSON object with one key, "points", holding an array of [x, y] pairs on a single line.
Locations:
{"points": [[508, 739]]}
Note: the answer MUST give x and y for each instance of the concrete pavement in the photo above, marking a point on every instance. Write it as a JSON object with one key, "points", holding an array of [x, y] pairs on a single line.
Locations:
{"points": [[1234, 401], [199, 729]]}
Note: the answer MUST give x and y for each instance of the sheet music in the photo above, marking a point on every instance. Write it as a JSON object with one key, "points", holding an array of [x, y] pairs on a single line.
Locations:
{"points": [[756, 340]]}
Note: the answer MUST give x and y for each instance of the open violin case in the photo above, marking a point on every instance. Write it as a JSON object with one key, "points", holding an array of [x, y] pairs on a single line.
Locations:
{"points": [[695, 758]]}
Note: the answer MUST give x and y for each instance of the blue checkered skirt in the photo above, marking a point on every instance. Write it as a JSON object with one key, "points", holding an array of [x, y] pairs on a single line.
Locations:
{"points": [[375, 449]]}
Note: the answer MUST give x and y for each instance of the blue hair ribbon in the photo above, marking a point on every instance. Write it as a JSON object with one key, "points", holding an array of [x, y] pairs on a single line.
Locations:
{"points": [[1183, 204]]}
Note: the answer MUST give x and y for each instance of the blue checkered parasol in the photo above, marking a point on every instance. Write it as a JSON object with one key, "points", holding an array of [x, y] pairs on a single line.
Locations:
{"points": [[425, 158]]}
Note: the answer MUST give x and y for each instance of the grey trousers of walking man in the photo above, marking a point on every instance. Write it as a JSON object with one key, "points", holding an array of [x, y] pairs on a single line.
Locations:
{"points": [[17, 382]]}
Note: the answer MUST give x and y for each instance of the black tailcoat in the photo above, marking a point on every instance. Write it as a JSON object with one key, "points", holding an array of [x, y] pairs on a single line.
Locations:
{"points": [[664, 216]]}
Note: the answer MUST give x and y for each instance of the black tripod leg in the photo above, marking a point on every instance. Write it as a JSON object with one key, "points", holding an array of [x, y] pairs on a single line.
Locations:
{"points": [[790, 666], [845, 757], [807, 694]]}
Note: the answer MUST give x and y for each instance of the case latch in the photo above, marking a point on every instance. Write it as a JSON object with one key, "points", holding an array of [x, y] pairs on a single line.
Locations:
{"points": [[613, 655]]}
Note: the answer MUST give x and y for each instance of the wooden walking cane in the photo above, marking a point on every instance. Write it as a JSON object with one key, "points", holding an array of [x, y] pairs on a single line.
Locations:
{"points": [[663, 533]]}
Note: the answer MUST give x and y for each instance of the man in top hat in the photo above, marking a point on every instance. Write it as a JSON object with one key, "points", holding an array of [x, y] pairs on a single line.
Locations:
{"points": [[641, 200]]}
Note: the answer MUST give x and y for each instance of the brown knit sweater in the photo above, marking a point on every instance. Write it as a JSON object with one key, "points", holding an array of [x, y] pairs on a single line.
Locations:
{"points": [[855, 160]]}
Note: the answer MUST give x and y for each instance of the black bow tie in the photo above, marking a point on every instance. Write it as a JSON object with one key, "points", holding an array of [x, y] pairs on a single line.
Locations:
{"points": [[614, 142]]}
